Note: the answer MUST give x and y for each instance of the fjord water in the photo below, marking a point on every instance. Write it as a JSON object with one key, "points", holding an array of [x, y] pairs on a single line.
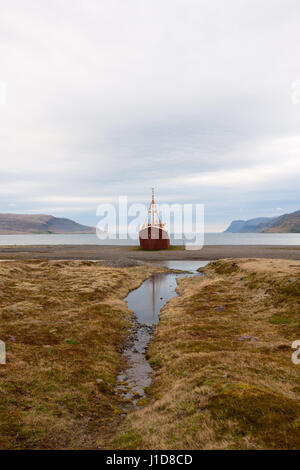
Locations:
{"points": [[146, 303], [209, 239]]}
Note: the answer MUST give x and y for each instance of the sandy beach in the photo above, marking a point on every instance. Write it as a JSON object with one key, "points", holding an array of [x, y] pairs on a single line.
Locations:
{"points": [[131, 255]]}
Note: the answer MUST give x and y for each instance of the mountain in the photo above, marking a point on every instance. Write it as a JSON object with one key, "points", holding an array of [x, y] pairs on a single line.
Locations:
{"points": [[287, 223], [249, 226], [39, 223]]}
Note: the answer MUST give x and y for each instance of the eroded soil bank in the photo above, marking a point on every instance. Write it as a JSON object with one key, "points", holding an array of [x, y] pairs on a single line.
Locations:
{"points": [[224, 378]]}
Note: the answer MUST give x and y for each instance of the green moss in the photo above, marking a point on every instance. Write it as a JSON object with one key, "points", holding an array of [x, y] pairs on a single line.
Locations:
{"points": [[156, 363], [225, 268], [72, 341], [142, 402], [129, 440], [265, 417], [280, 320]]}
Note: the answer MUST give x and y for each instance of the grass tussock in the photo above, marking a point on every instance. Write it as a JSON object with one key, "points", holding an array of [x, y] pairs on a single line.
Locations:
{"points": [[64, 325], [222, 354]]}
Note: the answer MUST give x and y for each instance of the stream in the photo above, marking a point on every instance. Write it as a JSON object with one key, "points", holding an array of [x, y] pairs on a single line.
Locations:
{"points": [[146, 303]]}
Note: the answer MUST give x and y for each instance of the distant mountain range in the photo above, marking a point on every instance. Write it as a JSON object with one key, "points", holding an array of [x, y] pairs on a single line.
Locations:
{"points": [[19, 223], [287, 223]]}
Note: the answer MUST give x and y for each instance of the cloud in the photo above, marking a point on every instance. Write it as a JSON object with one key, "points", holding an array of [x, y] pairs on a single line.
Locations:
{"points": [[108, 98]]}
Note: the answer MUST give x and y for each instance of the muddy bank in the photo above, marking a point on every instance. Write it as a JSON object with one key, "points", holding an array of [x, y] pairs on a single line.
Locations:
{"points": [[124, 256]]}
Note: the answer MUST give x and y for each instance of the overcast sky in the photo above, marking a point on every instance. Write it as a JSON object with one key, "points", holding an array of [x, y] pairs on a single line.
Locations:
{"points": [[111, 97]]}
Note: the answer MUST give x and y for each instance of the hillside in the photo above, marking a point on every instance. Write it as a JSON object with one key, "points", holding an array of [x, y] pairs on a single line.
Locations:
{"points": [[24, 223], [287, 223], [250, 226]]}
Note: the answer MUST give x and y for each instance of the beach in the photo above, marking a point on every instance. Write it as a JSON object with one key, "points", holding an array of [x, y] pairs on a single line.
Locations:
{"points": [[131, 255]]}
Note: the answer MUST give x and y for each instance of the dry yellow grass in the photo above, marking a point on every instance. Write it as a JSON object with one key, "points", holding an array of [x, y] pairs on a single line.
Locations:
{"points": [[222, 354], [64, 324]]}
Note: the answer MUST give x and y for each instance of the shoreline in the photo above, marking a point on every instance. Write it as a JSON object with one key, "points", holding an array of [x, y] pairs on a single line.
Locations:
{"points": [[119, 254]]}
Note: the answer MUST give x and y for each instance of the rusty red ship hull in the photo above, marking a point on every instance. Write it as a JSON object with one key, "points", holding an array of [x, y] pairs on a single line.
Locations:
{"points": [[154, 238]]}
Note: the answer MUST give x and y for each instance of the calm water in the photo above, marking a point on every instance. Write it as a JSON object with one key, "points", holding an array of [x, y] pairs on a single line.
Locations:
{"points": [[147, 300], [146, 303], [191, 266], [209, 239]]}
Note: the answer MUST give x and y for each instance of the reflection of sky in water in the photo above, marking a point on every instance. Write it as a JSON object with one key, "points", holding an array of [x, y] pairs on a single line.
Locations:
{"points": [[184, 265], [147, 301]]}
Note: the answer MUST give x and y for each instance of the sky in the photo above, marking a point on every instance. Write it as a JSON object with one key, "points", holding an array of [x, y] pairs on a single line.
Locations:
{"points": [[105, 98]]}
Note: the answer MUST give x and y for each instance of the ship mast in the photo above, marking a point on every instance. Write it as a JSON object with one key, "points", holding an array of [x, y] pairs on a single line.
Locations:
{"points": [[152, 206], [153, 215]]}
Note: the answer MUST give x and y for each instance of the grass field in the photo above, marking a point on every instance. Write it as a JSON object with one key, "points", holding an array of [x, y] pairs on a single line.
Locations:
{"points": [[64, 325], [224, 378], [222, 354]]}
